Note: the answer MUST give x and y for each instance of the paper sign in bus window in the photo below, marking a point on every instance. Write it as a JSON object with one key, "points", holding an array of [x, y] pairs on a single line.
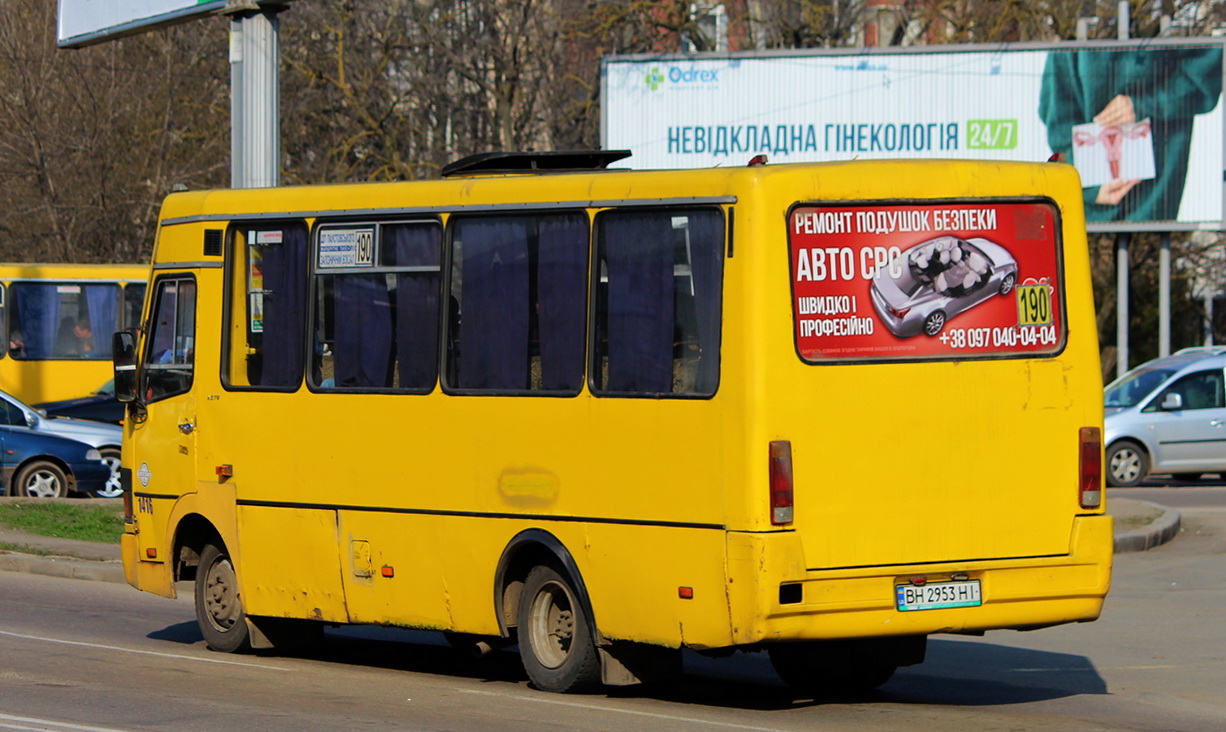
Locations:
{"points": [[346, 247]]}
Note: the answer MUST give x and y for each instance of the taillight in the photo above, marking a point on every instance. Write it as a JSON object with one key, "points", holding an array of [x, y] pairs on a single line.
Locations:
{"points": [[781, 482], [897, 312], [1090, 480]]}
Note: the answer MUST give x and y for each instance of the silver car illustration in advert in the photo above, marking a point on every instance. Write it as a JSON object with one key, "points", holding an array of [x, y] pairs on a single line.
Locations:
{"points": [[932, 282]]}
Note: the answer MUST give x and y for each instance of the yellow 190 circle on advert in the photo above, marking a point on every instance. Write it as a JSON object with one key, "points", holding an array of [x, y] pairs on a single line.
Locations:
{"points": [[1034, 304]]}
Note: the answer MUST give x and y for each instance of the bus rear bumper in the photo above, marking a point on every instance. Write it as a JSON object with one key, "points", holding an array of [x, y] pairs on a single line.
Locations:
{"points": [[769, 587], [152, 577]]}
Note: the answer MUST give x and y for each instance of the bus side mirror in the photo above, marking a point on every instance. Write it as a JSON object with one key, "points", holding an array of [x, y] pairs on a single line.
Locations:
{"points": [[123, 352]]}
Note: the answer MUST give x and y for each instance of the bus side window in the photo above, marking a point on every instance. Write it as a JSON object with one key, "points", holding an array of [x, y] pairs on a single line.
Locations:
{"points": [[171, 355], [658, 302], [517, 305], [53, 320], [377, 327], [267, 321]]}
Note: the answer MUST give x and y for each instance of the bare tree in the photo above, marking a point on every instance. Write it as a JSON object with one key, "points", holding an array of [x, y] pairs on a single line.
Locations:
{"points": [[91, 140]]}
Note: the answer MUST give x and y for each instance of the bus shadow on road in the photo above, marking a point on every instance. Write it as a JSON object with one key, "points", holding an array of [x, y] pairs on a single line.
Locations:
{"points": [[977, 673], [955, 673]]}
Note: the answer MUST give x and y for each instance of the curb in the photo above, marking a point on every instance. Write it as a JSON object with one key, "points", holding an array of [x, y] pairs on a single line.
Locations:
{"points": [[67, 567], [1158, 532]]}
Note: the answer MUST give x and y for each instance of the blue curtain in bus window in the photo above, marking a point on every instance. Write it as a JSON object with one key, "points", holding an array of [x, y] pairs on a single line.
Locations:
{"points": [[562, 292], [37, 311], [493, 304], [363, 348], [103, 304], [284, 267], [706, 266], [416, 245], [639, 257]]}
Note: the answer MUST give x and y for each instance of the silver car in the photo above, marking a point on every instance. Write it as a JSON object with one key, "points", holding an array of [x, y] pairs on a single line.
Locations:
{"points": [[105, 437], [1167, 416], [928, 284]]}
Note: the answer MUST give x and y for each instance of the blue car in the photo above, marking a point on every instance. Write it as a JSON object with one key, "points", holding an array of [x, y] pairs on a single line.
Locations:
{"points": [[101, 406], [45, 466]]}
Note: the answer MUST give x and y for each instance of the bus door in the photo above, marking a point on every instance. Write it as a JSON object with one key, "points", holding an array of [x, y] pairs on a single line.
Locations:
{"points": [[165, 460]]}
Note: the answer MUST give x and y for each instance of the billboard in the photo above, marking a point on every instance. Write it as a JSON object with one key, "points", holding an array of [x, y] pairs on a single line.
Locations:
{"points": [[85, 22], [1141, 120]]}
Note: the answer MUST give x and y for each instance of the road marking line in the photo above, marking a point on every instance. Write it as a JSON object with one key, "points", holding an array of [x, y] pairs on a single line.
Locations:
{"points": [[140, 652], [10, 722], [603, 708]]}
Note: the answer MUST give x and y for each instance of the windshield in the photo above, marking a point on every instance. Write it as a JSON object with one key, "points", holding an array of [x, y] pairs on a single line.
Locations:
{"points": [[1133, 389]]}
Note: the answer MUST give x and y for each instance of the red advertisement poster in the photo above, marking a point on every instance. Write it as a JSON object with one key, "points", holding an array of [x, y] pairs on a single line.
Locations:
{"points": [[975, 279]]}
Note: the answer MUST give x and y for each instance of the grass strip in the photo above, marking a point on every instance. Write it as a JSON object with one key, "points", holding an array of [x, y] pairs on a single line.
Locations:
{"points": [[63, 519]]}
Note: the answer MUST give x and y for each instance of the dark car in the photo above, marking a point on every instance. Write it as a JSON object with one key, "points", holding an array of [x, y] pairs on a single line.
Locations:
{"points": [[45, 466], [101, 406]]}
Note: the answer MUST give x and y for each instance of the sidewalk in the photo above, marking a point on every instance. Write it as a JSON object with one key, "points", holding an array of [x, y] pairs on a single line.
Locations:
{"points": [[1139, 525]]}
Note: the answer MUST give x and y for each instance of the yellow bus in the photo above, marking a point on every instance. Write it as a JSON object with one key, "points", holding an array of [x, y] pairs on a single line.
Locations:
{"points": [[818, 410], [58, 320]]}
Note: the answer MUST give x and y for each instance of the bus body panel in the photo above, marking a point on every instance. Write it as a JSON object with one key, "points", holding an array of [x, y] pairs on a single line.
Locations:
{"points": [[921, 468], [395, 508]]}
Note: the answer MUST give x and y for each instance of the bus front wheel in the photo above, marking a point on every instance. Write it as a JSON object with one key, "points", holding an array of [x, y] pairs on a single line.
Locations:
{"points": [[219, 608], [555, 637]]}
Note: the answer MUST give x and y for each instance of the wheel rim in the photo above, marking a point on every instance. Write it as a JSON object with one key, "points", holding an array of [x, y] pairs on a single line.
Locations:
{"points": [[933, 325], [221, 602], [1007, 286], [551, 625], [43, 484], [113, 488], [1126, 465]]}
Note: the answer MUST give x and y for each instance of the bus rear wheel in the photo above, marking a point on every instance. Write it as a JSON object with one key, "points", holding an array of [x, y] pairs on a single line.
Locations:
{"points": [[835, 668], [219, 608], [555, 636]]}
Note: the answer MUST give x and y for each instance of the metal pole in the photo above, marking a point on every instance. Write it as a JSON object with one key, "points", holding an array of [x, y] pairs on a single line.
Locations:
{"points": [[1121, 299], [255, 147], [1164, 296], [1208, 328], [1123, 20]]}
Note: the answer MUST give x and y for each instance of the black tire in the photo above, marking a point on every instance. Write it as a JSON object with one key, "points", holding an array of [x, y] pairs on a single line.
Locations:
{"points": [[113, 489], [1127, 464], [41, 479], [833, 668], [934, 323], [219, 607], [1006, 285], [555, 636]]}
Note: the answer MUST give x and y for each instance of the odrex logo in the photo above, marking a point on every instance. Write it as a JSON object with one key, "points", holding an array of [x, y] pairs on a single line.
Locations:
{"points": [[678, 76], [654, 78]]}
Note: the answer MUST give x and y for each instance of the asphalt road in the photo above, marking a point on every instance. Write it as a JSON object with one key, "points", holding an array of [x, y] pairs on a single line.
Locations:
{"points": [[101, 656]]}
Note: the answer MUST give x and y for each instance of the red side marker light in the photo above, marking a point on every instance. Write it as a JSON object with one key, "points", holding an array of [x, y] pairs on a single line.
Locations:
{"points": [[225, 471], [388, 571], [685, 593], [151, 553]]}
